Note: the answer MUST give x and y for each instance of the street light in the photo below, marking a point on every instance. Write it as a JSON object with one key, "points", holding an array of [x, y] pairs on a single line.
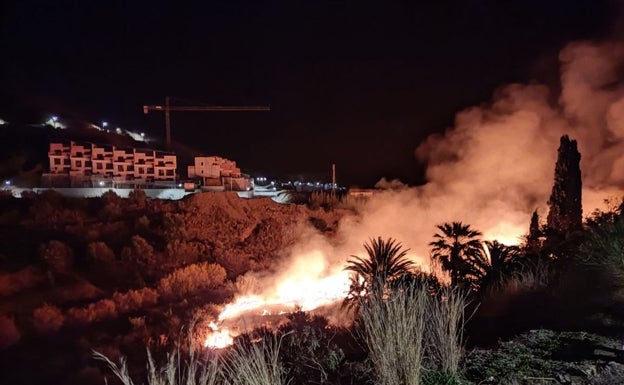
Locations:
{"points": [[104, 124], [54, 119]]}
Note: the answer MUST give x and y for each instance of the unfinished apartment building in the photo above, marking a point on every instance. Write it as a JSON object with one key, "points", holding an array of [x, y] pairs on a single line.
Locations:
{"points": [[92, 165], [217, 174]]}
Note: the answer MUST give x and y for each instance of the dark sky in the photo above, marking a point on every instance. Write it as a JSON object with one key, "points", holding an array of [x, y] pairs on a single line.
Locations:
{"points": [[356, 83]]}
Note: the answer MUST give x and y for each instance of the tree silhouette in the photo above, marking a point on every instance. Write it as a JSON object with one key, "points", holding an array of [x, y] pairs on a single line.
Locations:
{"points": [[386, 262], [495, 263], [565, 215], [457, 247]]}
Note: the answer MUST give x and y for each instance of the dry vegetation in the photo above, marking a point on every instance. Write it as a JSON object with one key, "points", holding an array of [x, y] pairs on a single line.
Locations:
{"points": [[119, 273], [115, 275]]}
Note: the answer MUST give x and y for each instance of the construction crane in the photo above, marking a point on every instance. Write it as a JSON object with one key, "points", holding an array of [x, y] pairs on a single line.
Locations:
{"points": [[168, 108]]}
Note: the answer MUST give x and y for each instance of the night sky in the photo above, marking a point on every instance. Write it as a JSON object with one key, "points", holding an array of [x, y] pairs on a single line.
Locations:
{"points": [[354, 83]]}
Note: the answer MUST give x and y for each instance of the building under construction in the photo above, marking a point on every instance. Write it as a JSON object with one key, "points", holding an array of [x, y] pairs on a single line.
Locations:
{"points": [[87, 165]]}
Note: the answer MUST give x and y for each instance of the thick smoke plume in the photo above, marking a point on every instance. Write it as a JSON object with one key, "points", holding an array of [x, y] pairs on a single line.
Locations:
{"points": [[496, 165]]}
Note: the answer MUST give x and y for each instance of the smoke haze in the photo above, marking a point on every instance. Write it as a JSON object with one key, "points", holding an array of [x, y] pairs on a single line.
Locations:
{"points": [[493, 167]]}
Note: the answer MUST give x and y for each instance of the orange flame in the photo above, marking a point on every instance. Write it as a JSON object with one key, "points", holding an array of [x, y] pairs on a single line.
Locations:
{"points": [[218, 339], [308, 285]]}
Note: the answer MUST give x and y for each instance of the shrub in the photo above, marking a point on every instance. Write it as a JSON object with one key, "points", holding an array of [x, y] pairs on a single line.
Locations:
{"points": [[133, 300], [96, 311], [190, 279], [142, 223], [186, 252], [111, 197], [308, 352], [603, 250], [57, 256], [234, 262], [47, 319], [441, 378], [137, 198], [140, 252], [9, 334], [100, 252], [20, 280]]}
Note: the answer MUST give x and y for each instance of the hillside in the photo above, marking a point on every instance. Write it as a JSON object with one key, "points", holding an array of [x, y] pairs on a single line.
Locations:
{"points": [[114, 274]]}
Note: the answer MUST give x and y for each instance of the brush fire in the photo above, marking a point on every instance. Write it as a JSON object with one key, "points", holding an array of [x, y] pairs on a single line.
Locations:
{"points": [[310, 283], [302, 291]]}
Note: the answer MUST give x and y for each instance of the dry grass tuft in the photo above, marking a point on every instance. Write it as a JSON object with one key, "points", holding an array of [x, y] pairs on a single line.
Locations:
{"points": [[393, 329], [445, 327], [193, 371], [255, 364]]}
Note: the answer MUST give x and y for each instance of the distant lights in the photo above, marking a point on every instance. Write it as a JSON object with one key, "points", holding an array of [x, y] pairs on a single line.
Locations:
{"points": [[118, 130], [7, 182], [142, 135], [101, 183], [52, 121], [104, 124], [2, 122]]}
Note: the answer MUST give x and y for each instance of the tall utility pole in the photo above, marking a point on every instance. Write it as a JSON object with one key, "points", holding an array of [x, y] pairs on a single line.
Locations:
{"points": [[333, 178], [168, 108]]}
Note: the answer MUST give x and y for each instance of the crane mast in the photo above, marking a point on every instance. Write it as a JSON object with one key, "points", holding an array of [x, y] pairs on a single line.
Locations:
{"points": [[167, 108]]}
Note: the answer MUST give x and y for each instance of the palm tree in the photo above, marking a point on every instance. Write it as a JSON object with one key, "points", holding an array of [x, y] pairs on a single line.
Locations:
{"points": [[495, 263], [385, 263], [454, 245]]}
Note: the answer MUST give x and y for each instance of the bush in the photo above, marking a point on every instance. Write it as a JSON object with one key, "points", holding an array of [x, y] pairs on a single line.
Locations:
{"points": [[57, 256], [99, 252], [191, 279], [47, 319], [94, 312], [141, 252], [441, 378], [133, 300], [9, 334], [186, 252], [137, 198], [20, 280], [142, 223], [308, 352]]}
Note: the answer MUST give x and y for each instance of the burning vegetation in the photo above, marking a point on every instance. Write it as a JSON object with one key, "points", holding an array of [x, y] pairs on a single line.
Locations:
{"points": [[286, 293]]}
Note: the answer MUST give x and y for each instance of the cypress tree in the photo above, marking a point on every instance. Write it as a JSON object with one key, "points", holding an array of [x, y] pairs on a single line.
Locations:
{"points": [[533, 239], [565, 215]]}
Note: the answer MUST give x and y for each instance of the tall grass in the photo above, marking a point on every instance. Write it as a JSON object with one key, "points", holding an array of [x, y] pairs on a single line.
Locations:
{"points": [[193, 371], [255, 363], [444, 329], [410, 327], [393, 330]]}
